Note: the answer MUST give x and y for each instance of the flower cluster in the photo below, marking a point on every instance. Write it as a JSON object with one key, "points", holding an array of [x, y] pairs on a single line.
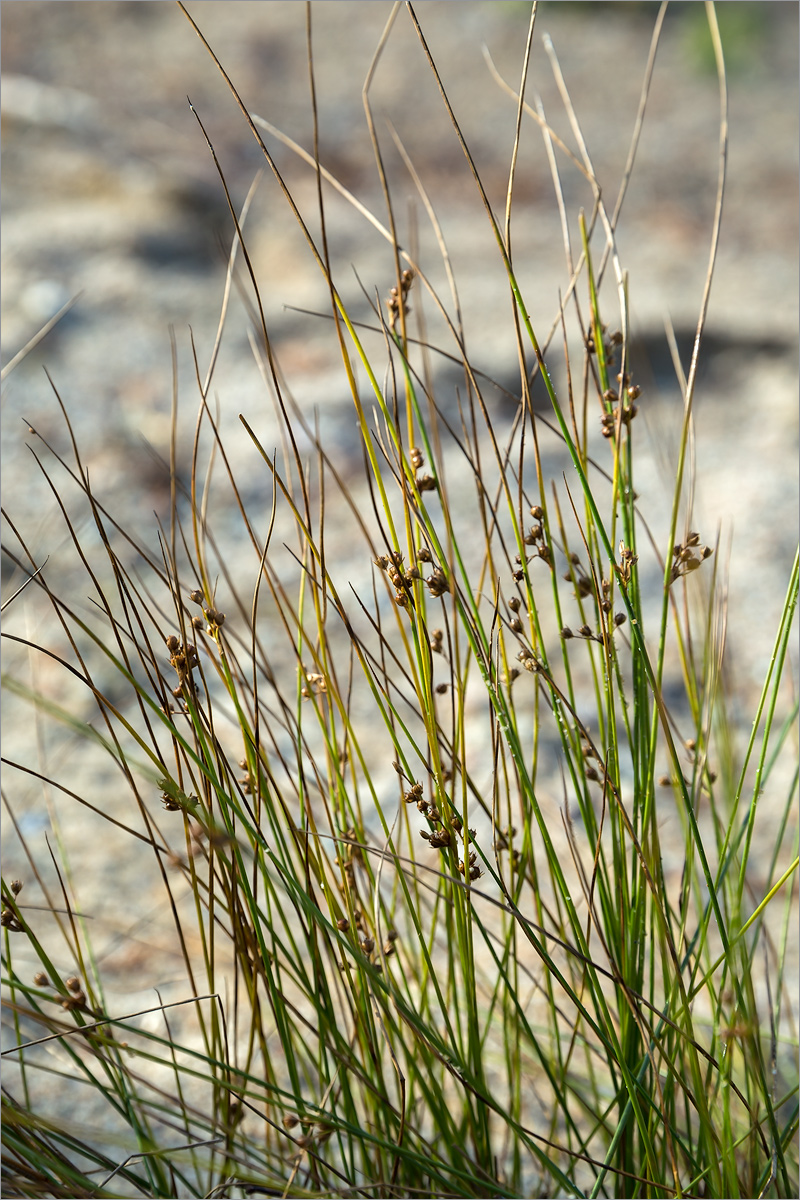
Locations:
{"points": [[687, 556], [403, 580], [397, 301], [184, 659]]}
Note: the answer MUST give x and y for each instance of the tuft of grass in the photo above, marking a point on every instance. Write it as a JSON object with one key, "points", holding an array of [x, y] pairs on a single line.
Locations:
{"points": [[402, 778]]}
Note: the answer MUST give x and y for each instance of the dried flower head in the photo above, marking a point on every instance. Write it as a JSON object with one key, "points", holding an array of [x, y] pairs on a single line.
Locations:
{"points": [[687, 556], [10, 921], [627, 560], [437, 582]]}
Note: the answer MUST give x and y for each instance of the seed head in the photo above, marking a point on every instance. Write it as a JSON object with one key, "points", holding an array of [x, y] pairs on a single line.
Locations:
{"points": [[10, 921], [437, 582]]}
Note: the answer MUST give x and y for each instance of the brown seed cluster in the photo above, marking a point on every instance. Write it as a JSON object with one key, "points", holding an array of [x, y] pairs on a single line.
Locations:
{"points": [[315, 685], [610, 343], [245, 782], [471, 867], [212, 618], [529, 661], [687, 556], [438, 582], [513, 621], [536, 538], [624, 413], [9, 918], [172, 805], [423, 483], [584, 586], [627, 561], [619, 407], [588, 634], [403, 580], [440, 837], [76, 997], [184, 659], [395, 301]]}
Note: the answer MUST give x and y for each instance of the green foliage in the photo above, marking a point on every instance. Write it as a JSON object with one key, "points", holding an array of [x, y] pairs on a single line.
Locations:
{"points": [[407, 815]]}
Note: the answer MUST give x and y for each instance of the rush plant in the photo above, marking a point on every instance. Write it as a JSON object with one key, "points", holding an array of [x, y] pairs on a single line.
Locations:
{"points": [[458, 894]]}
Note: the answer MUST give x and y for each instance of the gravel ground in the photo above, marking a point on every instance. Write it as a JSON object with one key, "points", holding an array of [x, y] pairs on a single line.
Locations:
{"points": [[109, 193]]}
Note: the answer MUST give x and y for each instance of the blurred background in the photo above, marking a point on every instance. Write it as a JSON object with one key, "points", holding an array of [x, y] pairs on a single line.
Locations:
{"points": [[108, 189]]}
